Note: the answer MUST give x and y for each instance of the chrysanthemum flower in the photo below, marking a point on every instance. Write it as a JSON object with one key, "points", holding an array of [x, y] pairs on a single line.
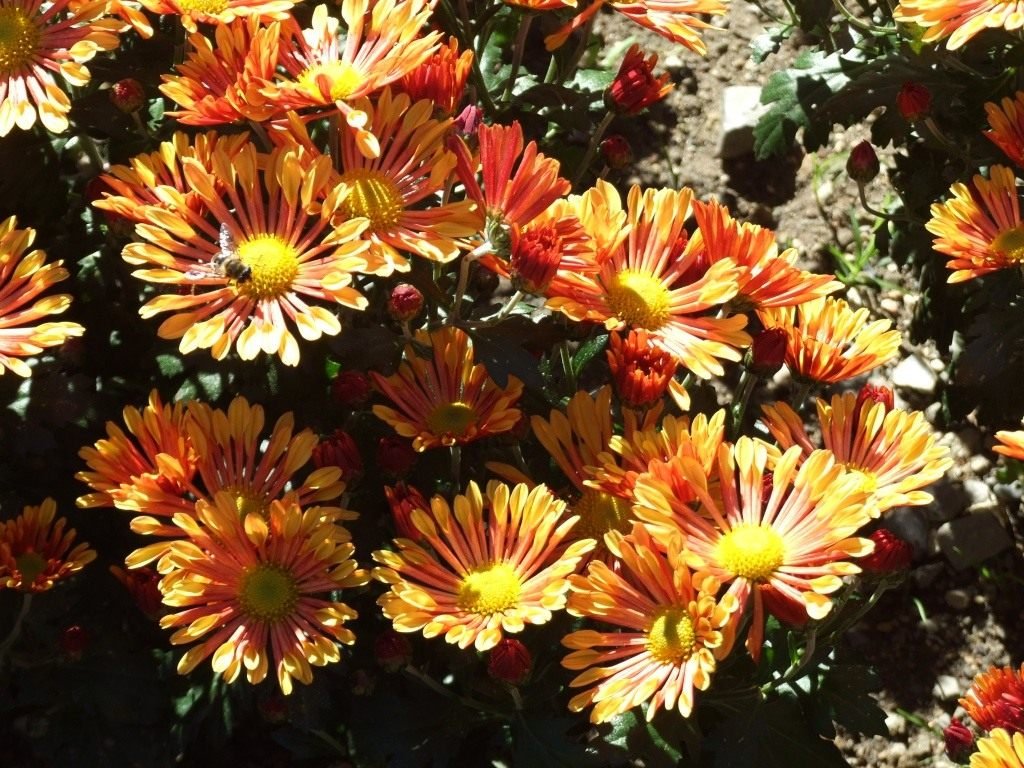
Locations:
{"points": [[959, 20], [441, 79], [996, 699], [36, 552], [1011, 444], [980, 227], [674, 629], [250, 590], [828, 342], [448, 399], [798, 541], [641, 371], [219, 12], [219, 81], [649, 284], [769, 278], [39, 40], [281, 210], [999, 749], [23, 277], [1006, 121], [483, 574], [381, 45], [895, 453], [635, 87]]}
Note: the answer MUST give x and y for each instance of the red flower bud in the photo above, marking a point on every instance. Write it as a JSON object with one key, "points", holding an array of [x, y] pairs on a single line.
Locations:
{"points": [[891, 553], [768, 351], [392, 650], [914, 101], [863, 165], [351, 389], [395, 455], [510, 661], [73, 641], [876, 393], [128, 95], [616, 151], [339, 450], [403, 499], [959, 741], [142, 584], [405, 302], [635, 87], [468, 120]]}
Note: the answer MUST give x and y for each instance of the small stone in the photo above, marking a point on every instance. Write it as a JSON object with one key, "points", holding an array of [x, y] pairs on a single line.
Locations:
{"points": [[914, 374], [958, 599], [925, 575], [946, 688], [977, 491], [931, 413], [741, 109], [972, 539], [948, 501], [896, 724], [911, 525], [980, 464], [891, 306]]}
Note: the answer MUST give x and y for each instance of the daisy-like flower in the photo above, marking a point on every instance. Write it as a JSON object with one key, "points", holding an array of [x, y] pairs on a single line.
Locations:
{"points": [[38, 40], [36, 552], [447, 399], [796, 540], [382, 44], [441, 79], [673, 630], [996, 699], [484, 574], [649, 283], [828, 342], [1006, 123], [193, 12], [959, 20], [1011, 444], [895, 453], [280, 214], [252, 590], [770, 278], [980, 227], [24, 275], [1000, 749]]}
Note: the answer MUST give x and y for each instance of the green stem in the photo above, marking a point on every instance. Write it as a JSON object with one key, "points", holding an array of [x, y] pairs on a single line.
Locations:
{"points": [[570, 374], [800, 394], [517, 54], [439, 689], [15, 633], [457, 465], [748, 381], [875, 212], [595, 141], [863, 26], [796, 671]]}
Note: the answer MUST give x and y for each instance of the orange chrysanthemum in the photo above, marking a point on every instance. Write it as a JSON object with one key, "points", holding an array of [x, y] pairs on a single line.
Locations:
{"points": [[996, 699], [641, 371], [38, 40], [1006, 121], [483, 574], [895, 453], [798, 541], [652, 283], [828, 342], [980, 228], [999, 749], [448, 399], [441, 79], [320, 68], [1012, 444], [959, 20], [219, 12], [23, 277], [635, 87], [36, 552], [250, 588], [281, 211], [674, 629]]}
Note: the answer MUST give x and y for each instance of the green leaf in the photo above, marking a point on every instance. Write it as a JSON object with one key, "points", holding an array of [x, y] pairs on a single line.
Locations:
{"points": [[170, 365], [845, 690], [542, 739], [587, 351]]}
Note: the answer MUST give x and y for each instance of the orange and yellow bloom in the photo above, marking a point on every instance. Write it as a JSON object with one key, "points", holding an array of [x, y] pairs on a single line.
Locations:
{"points": [[1000, 749], [219, 12], [959, 20], [1006, 126], [996, 699], [36, 552]]}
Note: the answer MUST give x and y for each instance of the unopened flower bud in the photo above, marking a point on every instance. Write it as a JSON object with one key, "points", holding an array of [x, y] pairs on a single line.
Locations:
{"points": [[616, 151], [142, 585], [128, 95], [73, 641], [339, 450], [351, 389], [768, 352], [635, 87], [405, 302], [392, 650], [959, 741], [891, 553], [876, 394], [468, 120], [403, 500], [510, 661], [914, 101], [395, 455], [863, 165]]}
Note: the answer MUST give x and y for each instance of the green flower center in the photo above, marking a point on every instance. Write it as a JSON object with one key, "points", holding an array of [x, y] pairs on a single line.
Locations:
{"points": [[274, 264], [268, 592], [751, 551], [672, 636], [599, 513], [491, 589], [374, 196], [19, 39], [640, 300], [1010, 243], [451, 419], [29, 564]]}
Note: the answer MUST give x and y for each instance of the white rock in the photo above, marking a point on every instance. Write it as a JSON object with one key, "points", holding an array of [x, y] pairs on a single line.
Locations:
{"points": [[946, 688], [914, 374], [977, 491], [972, 539], [741, 109]]}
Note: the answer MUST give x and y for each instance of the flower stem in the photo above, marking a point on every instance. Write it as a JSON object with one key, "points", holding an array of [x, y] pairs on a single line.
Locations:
{"points": [[457, 465], [517, 54], [15, 633], [469, 258], [748, 381], [595, 141]]}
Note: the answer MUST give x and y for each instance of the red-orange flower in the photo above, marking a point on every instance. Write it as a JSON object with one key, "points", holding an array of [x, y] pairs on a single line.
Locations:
{"points": [[641, 371], [996, 699], [635, 87], [1006, 121], [219, 12], [441, 79], [36, 552]]}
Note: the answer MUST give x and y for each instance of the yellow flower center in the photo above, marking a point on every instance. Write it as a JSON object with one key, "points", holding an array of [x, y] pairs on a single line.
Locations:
{"points": [[373, 195], [19, 39], [451, 419], [751, 551], [29, 564], [268, 592], [274, 265], [491, 589], [868, 479], [340, 79], [208, 7], [247, 504], [640, 300], [599, 513], [1010, 243], [672, 635]]}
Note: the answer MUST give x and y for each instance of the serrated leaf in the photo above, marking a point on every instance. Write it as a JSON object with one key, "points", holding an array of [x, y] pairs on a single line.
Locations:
{"points": [[768, 42], [593, 80]]}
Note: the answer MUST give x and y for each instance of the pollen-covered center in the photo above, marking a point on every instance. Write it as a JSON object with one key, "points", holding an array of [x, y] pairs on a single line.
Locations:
{"points": [[490, 589], [248, 503], [600, 513], [203, 7], [29, 564], [373, 195], [1010, 243], [332, 81], [19, 39], [751, 551], [268, 592], [274, 264], [639, 300], [453, 419], [672, 635], [868, 479]]}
